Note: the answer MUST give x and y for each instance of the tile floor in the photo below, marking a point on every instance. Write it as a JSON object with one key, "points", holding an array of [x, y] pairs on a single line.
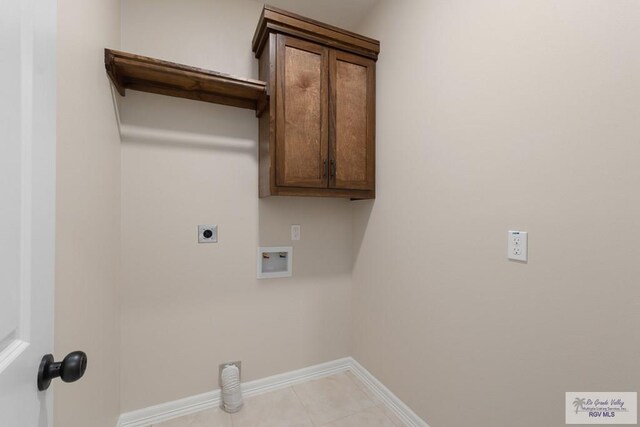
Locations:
{"points": [[340, 400]]}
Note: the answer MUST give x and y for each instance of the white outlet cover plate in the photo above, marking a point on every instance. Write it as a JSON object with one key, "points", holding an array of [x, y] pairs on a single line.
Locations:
{"points": [[213, 238], [517, 248], [295, 232]]}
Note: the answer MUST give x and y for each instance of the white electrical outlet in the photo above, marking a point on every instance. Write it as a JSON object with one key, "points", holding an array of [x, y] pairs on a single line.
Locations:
{"points": [[207, 234], [295, 232], [517, 245]]}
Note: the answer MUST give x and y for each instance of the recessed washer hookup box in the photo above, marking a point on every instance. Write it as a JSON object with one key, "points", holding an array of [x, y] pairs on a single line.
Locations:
{"points": [[275, 261]]}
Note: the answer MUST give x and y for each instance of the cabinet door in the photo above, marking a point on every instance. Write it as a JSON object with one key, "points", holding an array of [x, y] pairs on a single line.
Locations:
{"points": [[302, 113], [352, 129]]}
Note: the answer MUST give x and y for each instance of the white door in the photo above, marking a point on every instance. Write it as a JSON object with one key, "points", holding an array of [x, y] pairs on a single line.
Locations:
{"points": [[27, 197]]}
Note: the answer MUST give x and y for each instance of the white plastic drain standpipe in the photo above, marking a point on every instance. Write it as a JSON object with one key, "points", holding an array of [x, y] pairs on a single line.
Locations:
{"points": [[231, 392]]}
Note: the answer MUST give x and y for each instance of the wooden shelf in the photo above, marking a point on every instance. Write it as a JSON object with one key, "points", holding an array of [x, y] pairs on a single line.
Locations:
{"points": [[129, 71]]}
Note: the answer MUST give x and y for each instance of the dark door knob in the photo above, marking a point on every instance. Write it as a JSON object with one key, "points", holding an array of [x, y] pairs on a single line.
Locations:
{"points": [[69, 370]]}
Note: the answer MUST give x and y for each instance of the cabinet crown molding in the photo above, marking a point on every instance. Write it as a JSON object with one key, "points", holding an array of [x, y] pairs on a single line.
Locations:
{"points": [[274, 20]]}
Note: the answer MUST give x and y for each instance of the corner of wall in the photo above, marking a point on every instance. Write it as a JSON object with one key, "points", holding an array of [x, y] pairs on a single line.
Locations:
{"points": [[87, 284]]}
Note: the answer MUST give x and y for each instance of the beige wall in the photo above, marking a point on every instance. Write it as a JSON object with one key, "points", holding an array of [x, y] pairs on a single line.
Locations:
{"points": [[492, 116], [88, 214], [188, 307]]}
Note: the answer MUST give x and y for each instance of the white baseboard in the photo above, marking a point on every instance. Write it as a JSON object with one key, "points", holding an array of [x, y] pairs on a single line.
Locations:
{"points": [[189, 405], [397, 406]]}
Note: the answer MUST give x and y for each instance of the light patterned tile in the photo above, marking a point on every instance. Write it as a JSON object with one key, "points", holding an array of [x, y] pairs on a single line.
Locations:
{"points": [[280, 408], [363, 387], [370, 417], [209, 418], [331, 398]]}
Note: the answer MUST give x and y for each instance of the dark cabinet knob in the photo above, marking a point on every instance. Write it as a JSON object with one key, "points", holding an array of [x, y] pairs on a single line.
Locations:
{"points": [[69, 370]]}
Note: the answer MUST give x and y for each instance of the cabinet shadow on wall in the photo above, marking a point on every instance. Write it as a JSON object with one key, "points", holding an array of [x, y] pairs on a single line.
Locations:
{"points": [[326, 239], [361, 215]]}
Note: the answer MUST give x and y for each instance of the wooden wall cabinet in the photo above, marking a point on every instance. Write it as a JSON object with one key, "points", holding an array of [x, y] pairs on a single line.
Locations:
{"points": [[317, 124]]}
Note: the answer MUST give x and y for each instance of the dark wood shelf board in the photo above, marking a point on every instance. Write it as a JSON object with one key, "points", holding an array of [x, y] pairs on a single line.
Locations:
{"points": [[135, 72], [322, 192]]}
